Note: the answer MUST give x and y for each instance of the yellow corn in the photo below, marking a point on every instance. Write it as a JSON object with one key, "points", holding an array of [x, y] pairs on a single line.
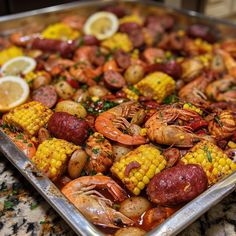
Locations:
{"points": [[150, 162], [118, 40], [29, 117], [131, 94], [131, 18], [189, 106], [60, 31], [135, 54], [213, 160], [31, 76], [52, 156], [10, 53], [157, 85], [203, 45], [232, 144]]}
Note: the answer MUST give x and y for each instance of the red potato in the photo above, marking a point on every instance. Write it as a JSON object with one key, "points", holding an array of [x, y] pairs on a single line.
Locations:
{"points": [[178, 184], [65, 126]]}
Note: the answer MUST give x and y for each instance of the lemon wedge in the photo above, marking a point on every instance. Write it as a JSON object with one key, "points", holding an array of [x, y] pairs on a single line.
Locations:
{"points": [[102, 25], [18, 65], [13, 92]]}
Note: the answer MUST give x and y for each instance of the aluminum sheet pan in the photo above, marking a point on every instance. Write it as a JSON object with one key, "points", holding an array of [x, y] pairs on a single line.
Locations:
{"points": [[29, 21]]}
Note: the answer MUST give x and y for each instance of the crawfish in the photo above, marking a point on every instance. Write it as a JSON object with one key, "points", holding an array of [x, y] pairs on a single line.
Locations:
{"points": [[161, 131], [193, 92], [92, 204], [223, 89], [109, 122], [100, 151]]}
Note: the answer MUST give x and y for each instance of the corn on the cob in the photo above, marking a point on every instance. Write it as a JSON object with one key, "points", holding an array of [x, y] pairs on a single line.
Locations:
{"points": [[213, 160], [52, 155], [137, 168], [131, 94], [29, 117], [232, 144], [10, 53], [157, 85], [60, 31], [189, 106], [203, 45], [31, 76], [118, 40], [132, 18]]}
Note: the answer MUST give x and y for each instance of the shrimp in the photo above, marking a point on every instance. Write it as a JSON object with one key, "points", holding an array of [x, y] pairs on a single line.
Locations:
{"points": [[161, 132], [74, 21], [100, 151], [109, 121], [22, 40], [84, 54], [229, 62], [223, 90], [23, 143], [230, 47], [193, 92], [92, 204], [223, 125]]}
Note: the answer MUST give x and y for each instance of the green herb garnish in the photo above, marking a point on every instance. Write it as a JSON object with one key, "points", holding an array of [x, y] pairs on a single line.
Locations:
{"points": [[217, 119], [133, 89], [209, 157], [95, 150], [171, 99]]}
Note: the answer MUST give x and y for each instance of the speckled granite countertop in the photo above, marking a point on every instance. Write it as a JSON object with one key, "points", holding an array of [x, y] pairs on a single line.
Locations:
{"points": [[24, 212]]}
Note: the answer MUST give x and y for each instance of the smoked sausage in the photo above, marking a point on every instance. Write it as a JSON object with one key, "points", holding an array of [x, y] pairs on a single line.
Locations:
{"points": [[65, 126], [176, 185]]}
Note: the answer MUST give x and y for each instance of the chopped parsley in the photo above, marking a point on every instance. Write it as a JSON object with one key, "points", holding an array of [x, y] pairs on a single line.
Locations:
{"points": [[209, 157], [171, 99], [133, 89], [100, 139], [19, 136], [8, 205], [95, 150], [93, 172], [30, 145], [217, 119]]}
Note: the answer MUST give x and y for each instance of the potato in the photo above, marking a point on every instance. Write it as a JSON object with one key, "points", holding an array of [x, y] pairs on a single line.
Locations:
{"points": [[64, 90], [81, 95], [42, 80], [120, 150], [134, 74], [76, 163], [134, 207], [97, 91], [72, 108], [130, 231]]}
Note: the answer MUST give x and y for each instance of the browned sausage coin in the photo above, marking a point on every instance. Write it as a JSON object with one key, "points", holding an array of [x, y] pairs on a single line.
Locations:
{"points": [[113, 80], [46, 95]]}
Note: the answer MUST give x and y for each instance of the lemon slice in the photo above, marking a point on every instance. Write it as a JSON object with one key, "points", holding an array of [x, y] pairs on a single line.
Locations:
{"points": [[18, 65], [13, 92], [102, 25]]}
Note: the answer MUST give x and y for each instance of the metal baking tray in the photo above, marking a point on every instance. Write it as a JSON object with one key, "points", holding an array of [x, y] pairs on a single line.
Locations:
{"points": [[183, 217]]}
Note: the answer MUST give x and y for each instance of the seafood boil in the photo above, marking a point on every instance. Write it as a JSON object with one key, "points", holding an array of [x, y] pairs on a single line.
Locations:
{"points": [[129, 115]]}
